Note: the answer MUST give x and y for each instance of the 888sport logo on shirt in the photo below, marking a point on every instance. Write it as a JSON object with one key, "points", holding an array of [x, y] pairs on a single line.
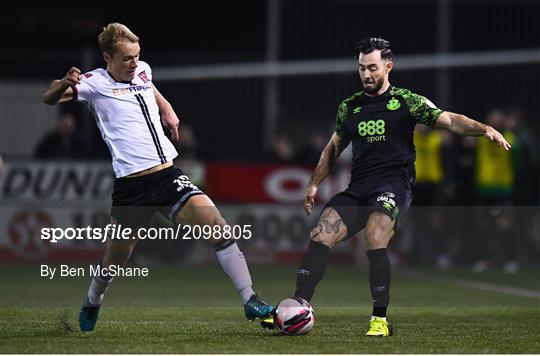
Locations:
{"points": [[372, 130]]}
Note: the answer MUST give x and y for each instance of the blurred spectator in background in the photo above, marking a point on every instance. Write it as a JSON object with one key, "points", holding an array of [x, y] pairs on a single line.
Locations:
{"points": [[434, 159], [495, 168], [515, 220], [65, 142], [495, 177], [433, 188], [309, 154], [281, 151], [526, 159]]}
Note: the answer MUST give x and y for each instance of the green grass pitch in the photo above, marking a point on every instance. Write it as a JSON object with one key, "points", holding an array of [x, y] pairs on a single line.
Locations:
{"points": [[195, 310]]}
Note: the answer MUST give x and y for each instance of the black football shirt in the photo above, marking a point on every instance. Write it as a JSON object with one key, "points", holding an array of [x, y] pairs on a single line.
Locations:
{"points": [[381, 129]]}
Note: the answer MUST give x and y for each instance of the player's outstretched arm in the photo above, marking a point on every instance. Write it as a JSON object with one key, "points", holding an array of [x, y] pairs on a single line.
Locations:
{"points": [[462, 125], [329, 158], [168, 116], [61, 90]]}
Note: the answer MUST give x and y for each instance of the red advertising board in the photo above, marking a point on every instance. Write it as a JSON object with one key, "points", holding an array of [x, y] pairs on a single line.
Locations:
{"points": [[234, 183]]}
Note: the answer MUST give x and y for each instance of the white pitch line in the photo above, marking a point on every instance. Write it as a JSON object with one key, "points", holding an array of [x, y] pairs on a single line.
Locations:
{"points": [[468, 283]]}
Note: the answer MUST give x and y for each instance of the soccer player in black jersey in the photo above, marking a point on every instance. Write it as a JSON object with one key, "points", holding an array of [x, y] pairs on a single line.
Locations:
{"points": [[379, 121]]}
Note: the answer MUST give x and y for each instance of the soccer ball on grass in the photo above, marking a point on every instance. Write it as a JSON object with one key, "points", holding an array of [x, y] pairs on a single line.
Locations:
{"points": [[294, 316]]}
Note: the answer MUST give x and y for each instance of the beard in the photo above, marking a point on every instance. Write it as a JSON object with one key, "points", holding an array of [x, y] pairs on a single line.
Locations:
{"points": [[375, 87]]}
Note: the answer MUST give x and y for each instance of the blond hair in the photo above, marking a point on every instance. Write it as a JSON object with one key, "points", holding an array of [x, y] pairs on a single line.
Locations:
{"points": [[111, 34]]}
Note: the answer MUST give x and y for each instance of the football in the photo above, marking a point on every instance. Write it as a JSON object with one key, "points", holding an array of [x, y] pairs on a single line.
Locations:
{"points": [[294, 316]]}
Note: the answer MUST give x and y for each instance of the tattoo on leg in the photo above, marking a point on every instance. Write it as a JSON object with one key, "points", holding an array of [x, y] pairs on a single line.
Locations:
{"points": [[329, 227]]}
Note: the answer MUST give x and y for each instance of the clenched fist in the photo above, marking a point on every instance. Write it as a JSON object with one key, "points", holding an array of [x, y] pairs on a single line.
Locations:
{"points": [[73, 76]]}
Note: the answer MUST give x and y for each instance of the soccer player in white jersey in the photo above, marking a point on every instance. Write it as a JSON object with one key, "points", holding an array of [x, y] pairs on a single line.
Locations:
{"points": [[128, 108]]}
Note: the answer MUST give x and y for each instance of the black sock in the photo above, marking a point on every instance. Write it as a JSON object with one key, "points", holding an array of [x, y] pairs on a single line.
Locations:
{"points": [[379, 280], [311, 270]]}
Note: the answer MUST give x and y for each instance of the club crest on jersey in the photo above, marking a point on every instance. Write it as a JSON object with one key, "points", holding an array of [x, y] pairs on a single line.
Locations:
{"points": [[393, 104], [144, 77]]}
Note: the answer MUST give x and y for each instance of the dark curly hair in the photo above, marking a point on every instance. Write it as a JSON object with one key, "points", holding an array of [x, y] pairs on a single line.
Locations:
{"points": [[369, 44]]}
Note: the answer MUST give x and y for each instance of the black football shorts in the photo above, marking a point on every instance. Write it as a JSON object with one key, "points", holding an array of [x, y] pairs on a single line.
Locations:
{"points": [[135, 200], [390, 194]]}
